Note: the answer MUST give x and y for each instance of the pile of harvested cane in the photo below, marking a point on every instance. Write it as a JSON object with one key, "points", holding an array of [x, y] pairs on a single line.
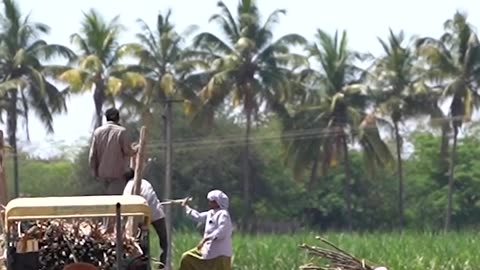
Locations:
{"points": [[61, 243], [336, 258]]}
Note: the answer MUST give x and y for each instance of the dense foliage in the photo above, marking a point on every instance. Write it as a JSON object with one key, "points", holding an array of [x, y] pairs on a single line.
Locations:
{"points": [[308, 138], [198, 167]]}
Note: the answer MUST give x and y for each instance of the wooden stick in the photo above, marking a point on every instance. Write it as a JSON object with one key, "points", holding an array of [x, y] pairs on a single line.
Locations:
{"points": [[178, 201], [3, 179], [133, 161], [140, 159], [137, 180]]}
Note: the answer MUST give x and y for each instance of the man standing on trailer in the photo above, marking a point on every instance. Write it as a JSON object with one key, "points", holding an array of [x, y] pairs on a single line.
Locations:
{"points": [[110, 153]]}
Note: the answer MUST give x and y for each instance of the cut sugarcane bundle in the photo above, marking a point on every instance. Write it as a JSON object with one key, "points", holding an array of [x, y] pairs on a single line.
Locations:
{"points": [[335, 258]]}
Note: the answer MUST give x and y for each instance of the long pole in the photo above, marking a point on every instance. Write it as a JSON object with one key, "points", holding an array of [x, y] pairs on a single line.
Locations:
{"points": [[168, 120], [3, 179], [119, 245], [139, 161], [168, 176]]}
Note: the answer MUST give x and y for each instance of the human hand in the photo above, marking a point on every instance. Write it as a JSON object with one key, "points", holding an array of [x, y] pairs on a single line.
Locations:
{"points": [[200, 245], [185, 201]]}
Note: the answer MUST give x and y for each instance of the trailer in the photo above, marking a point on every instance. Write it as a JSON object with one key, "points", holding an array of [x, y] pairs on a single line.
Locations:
{"points": [[56, 232]]}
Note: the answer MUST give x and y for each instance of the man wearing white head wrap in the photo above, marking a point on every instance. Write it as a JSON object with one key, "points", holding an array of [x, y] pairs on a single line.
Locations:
{"points": [[219, 197], [214, 252]]}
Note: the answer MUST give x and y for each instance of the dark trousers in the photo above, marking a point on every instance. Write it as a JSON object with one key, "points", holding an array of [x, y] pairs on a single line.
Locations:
{"points": [[161, 230]]}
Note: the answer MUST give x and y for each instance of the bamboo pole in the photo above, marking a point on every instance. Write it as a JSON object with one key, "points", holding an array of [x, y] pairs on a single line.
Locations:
{"points": [[3, 179], [140, 159], [137, 162], [133, 162]]}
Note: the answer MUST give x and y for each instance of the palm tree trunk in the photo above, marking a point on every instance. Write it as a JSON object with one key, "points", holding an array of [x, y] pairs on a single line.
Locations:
{"points": [[98, 99], [246, 166], [12, 138], [400, 176], [313, 174], [444, 144], [348, 180], [451, 179]]}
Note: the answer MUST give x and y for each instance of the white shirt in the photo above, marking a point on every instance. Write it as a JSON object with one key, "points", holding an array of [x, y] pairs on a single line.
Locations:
{"points": [[218, 229], [148, 193]]}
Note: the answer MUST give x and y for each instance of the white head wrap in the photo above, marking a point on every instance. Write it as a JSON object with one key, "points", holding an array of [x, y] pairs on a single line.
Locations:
{"points": [[219, 197]]}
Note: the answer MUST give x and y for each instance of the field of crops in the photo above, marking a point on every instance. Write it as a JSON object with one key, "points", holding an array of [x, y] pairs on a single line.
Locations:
{"points": [[412, 251]]}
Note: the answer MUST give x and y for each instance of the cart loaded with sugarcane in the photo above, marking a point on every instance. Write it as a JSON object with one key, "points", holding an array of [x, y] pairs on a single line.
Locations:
{"points": [[50, 233]]}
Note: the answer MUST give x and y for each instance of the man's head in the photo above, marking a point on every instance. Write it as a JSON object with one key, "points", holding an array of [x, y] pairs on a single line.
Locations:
{"points": [[129, 174], [217, 200], [112, 115]]}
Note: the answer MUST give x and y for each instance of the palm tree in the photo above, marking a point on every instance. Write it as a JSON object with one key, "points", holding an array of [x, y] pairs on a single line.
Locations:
{"points": [[402, 94], [337, 114], [164, 64], [454, 60], [249, 67], [98, 64], [24, 86]]}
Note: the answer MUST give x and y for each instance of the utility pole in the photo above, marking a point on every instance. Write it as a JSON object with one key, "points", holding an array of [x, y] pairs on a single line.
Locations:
{"points": [[168, 176], [168, 120]]}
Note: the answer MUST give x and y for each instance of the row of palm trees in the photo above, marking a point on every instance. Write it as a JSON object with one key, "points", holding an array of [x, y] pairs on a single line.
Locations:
{"points": [[322, 96]]}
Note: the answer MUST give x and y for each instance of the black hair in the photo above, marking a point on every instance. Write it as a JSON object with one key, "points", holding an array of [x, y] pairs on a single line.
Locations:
{"points": [[129, 174], [112, 114]]}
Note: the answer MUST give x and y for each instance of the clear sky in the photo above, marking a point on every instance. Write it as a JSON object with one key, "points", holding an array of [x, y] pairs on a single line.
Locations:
{"points": [[364, 20]]}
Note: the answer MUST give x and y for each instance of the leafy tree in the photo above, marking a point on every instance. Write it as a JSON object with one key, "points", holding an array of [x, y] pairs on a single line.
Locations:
{"points": [[24, 86], [401, 94], [336, 114], [453, 60], [249, 68], [98, 63], [164, 63]]}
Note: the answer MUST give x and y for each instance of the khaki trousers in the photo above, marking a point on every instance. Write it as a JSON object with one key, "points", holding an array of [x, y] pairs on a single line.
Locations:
{"points": [[113, 186]]}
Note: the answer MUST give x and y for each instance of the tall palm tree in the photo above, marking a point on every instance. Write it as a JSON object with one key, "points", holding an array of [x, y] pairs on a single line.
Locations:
{"points": [[454, 60], [98, 63], [163, 62], [249, 65], [24, 86], [401, 94], [164, 65], [338, 114]]}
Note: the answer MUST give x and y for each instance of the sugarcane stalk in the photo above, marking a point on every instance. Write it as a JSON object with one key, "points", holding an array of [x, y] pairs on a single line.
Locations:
{"points": [[64, 242], [338, 258]]}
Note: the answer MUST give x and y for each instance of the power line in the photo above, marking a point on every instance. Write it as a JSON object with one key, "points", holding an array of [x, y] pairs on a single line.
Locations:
{"points": [[239, 140]]}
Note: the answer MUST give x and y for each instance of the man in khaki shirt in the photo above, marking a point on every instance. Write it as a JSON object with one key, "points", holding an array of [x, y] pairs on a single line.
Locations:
{"points": [[110, 153]]}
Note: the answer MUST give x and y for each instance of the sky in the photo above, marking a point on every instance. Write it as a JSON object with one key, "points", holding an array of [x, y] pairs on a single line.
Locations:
{"points": [[364, 21]]}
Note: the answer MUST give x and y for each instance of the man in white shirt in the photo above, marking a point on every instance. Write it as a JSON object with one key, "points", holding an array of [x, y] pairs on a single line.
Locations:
{"points": [[214, 251], [158, 216]]}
